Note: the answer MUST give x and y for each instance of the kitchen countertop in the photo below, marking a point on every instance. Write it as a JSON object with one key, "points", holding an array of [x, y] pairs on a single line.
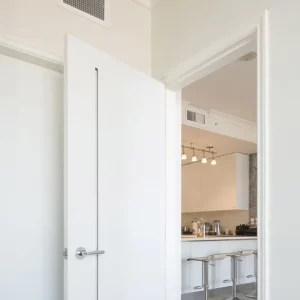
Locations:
{"points": [[193, 238]]}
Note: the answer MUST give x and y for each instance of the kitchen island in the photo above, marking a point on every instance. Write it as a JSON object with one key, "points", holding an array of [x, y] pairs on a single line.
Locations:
{"points": [[192, 246]]}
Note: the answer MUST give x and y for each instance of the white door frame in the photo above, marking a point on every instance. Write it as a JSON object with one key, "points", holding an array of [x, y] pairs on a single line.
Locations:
{"points": [[210, 60]]}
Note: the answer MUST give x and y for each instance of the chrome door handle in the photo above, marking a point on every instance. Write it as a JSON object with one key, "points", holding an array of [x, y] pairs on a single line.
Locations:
{"points": [[81, 253]]}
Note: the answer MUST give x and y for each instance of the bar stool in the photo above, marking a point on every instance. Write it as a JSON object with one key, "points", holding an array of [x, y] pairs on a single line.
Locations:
{"points": [[253, 294], [234, 258], [205, 262]]}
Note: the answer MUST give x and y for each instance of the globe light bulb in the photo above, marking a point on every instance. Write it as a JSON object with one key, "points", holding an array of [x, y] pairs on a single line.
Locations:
{"points": [[204, 160], [194, 158], [213, 162], [183, 156]]}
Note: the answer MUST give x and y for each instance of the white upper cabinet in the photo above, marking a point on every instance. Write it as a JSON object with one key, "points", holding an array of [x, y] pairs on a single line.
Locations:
{"points": [[224, 186]]}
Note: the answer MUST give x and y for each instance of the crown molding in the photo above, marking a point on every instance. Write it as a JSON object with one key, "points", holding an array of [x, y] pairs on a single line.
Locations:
{"points": [[17, 48], [147, 3], [223, 117], [222, 123]]}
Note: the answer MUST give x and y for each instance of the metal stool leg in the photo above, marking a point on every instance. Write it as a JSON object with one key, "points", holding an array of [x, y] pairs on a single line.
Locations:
{"points": [[233, 278], [204, 279], [206, 261], [253, 294]]}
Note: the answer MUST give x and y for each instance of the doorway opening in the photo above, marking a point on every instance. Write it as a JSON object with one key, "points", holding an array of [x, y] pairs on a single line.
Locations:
{"points": [[220, 145]]}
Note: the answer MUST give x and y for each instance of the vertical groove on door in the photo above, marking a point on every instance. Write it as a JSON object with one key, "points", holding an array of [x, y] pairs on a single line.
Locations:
{"points": [[97, 192]]}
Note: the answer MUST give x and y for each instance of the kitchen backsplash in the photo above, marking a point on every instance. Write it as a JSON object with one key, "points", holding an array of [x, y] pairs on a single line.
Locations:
{"points": [[229, 219], [253, 185]]}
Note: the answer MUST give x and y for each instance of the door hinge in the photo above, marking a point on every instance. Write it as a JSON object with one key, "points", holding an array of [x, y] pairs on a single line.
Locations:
{"points": [[65, 253]]}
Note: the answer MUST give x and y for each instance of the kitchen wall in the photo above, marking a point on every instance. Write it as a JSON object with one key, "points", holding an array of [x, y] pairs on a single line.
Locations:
{"points": [[200, 177], [229, 219], [206, 187], [42, 24]]}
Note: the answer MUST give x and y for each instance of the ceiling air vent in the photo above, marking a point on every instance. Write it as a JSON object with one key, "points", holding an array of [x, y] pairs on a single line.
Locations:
{"points": [[195, 117], [95, 10]]}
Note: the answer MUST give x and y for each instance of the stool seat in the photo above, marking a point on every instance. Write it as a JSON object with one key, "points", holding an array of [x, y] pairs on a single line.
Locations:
{"points": [[197, 258], [206, 261], [213, 257], [241, 253]]}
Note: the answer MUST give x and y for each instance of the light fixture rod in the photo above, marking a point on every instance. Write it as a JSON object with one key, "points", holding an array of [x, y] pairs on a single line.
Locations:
{"points": [[203, 150], [211, 158]]}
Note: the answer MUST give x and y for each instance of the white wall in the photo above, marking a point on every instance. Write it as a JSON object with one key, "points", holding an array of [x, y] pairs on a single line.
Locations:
{"points": [[181, 29], [43, 24], [283, 128], [31, 176]]}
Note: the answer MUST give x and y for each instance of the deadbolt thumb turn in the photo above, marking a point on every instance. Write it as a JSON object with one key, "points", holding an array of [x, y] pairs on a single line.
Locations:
{"points": [[81, 253]]}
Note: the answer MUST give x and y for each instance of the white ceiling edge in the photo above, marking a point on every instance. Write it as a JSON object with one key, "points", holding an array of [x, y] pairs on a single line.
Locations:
{"points": [[224, 124], [223, 117], [146, 3]]}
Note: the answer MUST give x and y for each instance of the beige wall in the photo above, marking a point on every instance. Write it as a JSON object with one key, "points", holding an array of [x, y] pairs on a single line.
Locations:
{"points": [[41, 23], [205, 187], [216, 188], [181, 29]]}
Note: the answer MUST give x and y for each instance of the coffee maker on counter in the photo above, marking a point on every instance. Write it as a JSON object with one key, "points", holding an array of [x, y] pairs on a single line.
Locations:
{"points": [[249, 229], [246, 230]]}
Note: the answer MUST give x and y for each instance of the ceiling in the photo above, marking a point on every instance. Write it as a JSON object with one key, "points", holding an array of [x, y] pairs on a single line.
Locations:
{"points": [[230, 90], [147, 3], [222, 144]]}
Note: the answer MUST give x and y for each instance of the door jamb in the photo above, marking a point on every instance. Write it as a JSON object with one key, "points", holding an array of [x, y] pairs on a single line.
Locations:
{"points": [[205, 63]]}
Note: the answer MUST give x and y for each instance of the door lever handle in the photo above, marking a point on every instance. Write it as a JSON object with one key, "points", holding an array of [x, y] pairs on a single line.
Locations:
{"points": [[81, 253]]}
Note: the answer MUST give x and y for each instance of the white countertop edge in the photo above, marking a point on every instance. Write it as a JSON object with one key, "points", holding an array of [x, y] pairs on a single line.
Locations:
{"points": [[229, 238]]}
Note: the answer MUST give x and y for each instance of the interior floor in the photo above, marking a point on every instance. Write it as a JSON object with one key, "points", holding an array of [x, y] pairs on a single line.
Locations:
{"points": [[220, 295]]}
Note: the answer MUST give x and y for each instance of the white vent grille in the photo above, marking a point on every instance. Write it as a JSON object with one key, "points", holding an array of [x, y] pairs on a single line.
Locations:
{"points": [[196, 117], [95, 8]]}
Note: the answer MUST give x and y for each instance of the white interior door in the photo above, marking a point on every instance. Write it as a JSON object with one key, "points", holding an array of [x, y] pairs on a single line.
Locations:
{"points": [[115, 181]]}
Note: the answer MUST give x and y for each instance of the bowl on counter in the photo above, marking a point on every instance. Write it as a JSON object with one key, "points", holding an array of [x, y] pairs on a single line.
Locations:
{"points": [[186, 231], [211, 233]]}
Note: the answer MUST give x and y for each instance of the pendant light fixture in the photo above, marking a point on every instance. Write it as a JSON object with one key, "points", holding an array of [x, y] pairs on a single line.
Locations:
{"points": [[194, 158], [213, 162], [183, 156], [204, 160]]}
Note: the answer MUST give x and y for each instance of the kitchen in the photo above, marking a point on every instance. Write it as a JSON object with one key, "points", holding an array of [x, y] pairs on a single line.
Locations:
{"points": [[219, 184]]}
